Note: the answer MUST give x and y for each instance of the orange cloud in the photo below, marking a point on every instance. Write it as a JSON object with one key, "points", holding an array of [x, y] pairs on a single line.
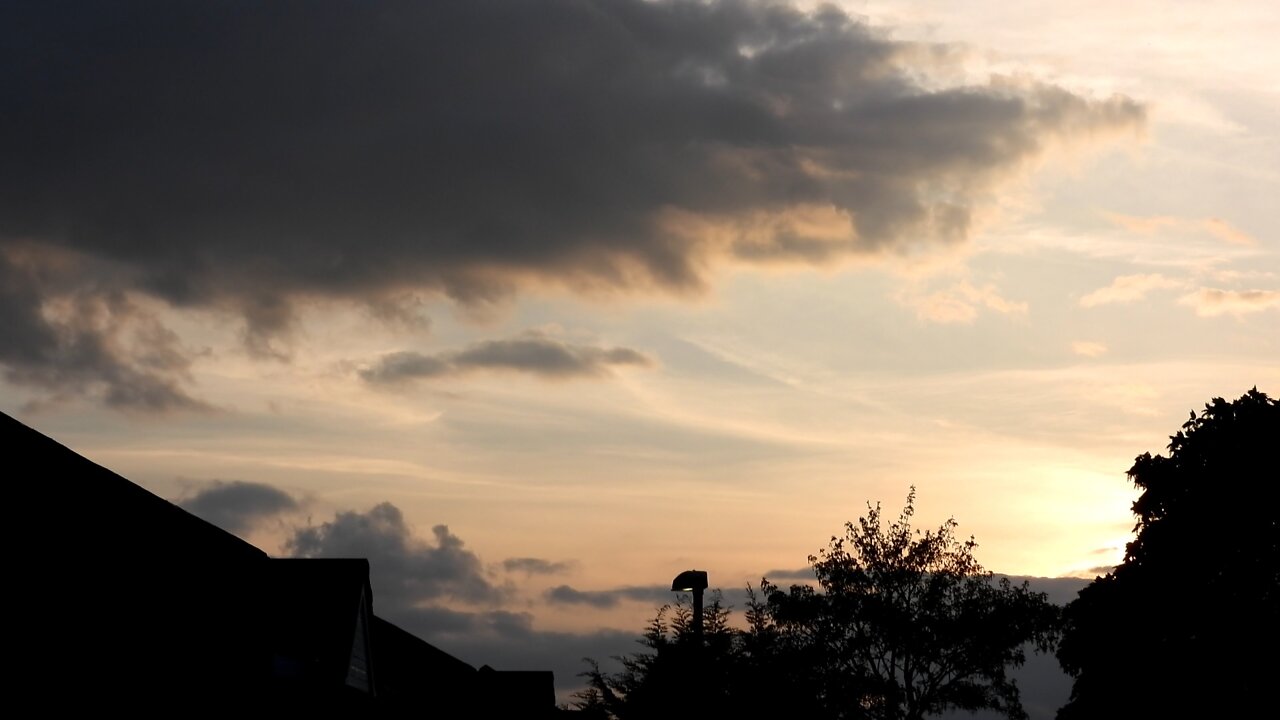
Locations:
{"points": [[1211, 302], [960, 303], [1088, 349], [1150, 225], [1227, 232], [1128, 288]]}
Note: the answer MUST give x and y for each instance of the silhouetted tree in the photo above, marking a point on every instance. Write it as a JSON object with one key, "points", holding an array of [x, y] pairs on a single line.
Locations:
{"points": [[675, 674], [1187, 625], [906, 623], [903, 624]]}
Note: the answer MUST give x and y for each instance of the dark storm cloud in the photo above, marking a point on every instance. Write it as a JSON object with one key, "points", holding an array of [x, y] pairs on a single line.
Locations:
{"points": [[405, 571], [241, 155], [536, 566], [237, 505], [85, 338], [533, 354]]}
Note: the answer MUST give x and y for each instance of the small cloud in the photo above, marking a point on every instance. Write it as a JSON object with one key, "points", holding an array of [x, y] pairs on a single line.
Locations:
{"points": [[1238, 276], [1211, 302], [945, 308], [566, 595], [1129, 288], [399, 366], [961, 302], [1088, 349], [236, 506], [535, 566], [532, 353], [804, 574], [1148, 225], [1228, 233]]}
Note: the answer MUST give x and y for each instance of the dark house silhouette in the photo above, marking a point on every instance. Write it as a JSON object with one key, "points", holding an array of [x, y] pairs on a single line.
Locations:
{"points": [[122, 600]]}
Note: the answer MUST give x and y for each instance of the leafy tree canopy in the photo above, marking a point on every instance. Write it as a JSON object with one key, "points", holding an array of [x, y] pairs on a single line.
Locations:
{"points": [[1188, 622], [902, 623]]}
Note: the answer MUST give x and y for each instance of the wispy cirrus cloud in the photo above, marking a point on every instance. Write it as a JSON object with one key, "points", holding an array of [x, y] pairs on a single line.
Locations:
{"points": [[1213, 226], [1229, 233]]}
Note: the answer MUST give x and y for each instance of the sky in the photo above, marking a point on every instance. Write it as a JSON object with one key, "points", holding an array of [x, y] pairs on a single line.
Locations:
{"points": [[537, 304]]}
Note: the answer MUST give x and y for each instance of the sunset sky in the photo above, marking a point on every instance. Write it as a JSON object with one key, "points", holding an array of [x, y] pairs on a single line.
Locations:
{"points": [[536, 304]]}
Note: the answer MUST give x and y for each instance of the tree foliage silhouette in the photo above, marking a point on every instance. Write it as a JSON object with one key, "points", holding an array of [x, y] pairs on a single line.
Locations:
{"points": [[903, 623], [1188, 623], [675, 674], [907, 623]]}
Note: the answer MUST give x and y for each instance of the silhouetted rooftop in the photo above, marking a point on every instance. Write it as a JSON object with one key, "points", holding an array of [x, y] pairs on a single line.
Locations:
{"points": [[133, 601]]}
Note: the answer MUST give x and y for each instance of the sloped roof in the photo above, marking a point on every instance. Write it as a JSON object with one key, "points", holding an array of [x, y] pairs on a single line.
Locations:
{"points": [[129, 599], [312, 607], [92, 509], [413, 673]]}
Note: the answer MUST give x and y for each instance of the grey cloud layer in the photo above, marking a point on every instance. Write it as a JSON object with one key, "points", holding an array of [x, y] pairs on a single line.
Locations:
{"points": [[404, 570], [566, 595], [536, 355], [410, 577], [509, 641], [238, 155], [804, 574], [68, 339], [655, 595], [536, 566], [235, 506]]}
